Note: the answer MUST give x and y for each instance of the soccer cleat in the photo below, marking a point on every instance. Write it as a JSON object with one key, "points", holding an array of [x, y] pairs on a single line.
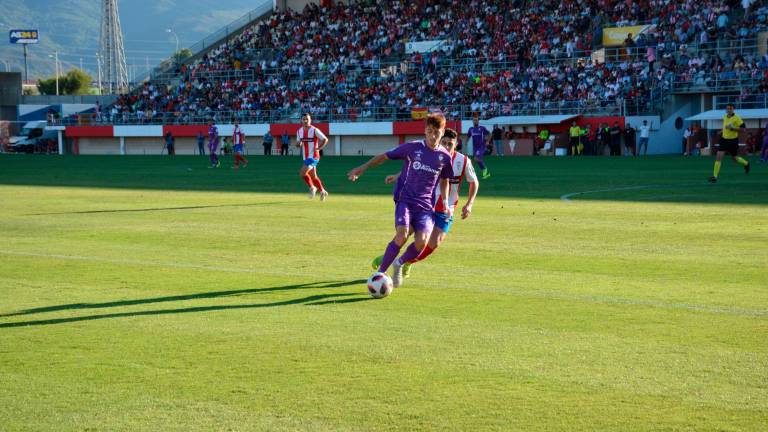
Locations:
{"points": [[407, 270], [323, 195], [397, 273], [486, 174], [746, 168], [377, 262], [713, 179], [312, 192], [218, 164]]}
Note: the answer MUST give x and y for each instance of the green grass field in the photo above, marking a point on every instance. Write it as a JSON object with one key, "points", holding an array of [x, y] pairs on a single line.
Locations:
{"points": [[153, 294]]}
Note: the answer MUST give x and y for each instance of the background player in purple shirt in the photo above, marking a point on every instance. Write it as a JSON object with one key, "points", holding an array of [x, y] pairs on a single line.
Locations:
{"points": [[213, 143], [479, 136], [425, 163]]}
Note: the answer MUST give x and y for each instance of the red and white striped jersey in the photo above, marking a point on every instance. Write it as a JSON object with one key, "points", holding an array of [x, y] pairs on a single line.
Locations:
{"points": [[238, 137], [462, 169], [309, 139]]}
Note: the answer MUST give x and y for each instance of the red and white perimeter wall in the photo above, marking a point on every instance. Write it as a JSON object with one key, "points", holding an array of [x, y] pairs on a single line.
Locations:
{"points": [[345, 138], [364, 138]]}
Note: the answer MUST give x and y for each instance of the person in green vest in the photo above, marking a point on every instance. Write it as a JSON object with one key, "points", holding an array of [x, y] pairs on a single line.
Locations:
{"points": [[543, 137]]}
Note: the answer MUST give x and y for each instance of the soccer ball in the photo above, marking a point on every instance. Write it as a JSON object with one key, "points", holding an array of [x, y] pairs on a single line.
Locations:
{"points": [[379, 285]]}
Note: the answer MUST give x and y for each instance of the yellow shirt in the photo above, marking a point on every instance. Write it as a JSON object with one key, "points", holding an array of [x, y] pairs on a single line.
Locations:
{"points": [[575, 131], [735, 122]]}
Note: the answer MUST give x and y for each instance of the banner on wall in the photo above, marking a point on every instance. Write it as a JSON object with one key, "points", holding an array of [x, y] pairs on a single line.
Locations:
{"points": [[419, 113], [615, 36], [423, 46]]}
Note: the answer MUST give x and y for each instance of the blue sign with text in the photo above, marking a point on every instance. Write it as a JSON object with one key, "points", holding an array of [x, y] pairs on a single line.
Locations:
{"points": [[24, 36]]}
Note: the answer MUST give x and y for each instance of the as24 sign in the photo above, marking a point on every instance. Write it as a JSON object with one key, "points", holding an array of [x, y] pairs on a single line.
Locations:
{"points": [[24, 36]]}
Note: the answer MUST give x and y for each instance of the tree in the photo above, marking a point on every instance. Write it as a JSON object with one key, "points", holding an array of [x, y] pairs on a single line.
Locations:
{"points": [[75, 82], [182, 55]]}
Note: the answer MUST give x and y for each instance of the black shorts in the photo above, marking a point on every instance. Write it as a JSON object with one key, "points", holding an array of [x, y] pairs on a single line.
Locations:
{"points": [[730, 146]]}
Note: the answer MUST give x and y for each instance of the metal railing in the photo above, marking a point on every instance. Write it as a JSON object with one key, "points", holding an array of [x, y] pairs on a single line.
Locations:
{"points": [[752, 101], [104, 100], [619, 107], [712, 83]]}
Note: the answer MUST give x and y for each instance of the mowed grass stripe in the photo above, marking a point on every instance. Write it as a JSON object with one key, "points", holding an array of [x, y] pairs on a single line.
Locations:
{"points": [[622, 310]]}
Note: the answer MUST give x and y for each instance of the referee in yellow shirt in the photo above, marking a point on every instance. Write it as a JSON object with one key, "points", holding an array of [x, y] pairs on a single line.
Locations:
{"points": [[575, 139], [730, 142]]}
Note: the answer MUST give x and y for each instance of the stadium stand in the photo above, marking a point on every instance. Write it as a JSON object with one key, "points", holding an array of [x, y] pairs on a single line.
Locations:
{"points": [[351, 62]]}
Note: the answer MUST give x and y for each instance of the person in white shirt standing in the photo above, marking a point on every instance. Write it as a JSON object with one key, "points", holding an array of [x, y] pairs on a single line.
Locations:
{"points": [[645, 132]]}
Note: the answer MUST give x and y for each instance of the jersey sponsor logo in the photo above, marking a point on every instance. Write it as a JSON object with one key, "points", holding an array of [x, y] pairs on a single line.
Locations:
{"points": [[421, 167]]}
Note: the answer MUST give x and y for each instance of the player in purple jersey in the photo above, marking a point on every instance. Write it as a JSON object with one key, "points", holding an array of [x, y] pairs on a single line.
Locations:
{"points": [[426, 163], [213, 143], [479, 136]]}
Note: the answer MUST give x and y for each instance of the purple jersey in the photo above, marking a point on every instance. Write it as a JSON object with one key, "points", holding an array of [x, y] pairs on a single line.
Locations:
{"points": [[213, 136], [479, 135], [421, 171]]}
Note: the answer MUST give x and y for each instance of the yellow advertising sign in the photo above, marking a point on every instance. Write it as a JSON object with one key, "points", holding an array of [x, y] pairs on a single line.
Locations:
{"points": [[615, 36]]}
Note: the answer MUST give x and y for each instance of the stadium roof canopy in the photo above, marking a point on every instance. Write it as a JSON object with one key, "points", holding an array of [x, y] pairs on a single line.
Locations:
{"points": [[531, 120], [745, 114]]}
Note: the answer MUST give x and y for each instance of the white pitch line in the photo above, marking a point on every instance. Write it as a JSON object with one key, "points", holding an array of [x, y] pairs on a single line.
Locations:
{"points": [[567, 197]]}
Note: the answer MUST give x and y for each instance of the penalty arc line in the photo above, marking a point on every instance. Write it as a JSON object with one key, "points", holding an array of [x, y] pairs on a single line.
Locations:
{"points": [[567, 197]]}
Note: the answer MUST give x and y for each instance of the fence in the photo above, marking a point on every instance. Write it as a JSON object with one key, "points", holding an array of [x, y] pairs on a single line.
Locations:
{"points": [[753, 101], [376, 114], [712, 83]]}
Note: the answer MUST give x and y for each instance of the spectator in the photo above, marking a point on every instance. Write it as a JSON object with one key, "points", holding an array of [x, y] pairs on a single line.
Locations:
{"points": [[629, 45], [285, 141], [588, 140], [497, 135], [268, 144], [607, 140], [541, 140], [510, 137], [169, 143], [200, 143], [630, 140], [226, 148], [751, 143], [687, 139], [615, 133], [645, 132]]}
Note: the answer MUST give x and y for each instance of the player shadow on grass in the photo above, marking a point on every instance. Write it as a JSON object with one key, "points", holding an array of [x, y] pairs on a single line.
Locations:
{"points": [[307, 301], [197, 296]]}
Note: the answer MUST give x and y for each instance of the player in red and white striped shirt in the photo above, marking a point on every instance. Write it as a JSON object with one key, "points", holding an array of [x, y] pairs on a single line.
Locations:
{"points": [[238, 140], [311, 140]]}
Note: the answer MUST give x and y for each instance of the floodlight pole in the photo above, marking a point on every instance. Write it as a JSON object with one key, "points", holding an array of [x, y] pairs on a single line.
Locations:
{"points": [[26, 77]]}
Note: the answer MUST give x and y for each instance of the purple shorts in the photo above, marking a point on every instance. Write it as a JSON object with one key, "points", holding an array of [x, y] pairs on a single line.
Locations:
{"points": [[479, 153], [421, 220]]}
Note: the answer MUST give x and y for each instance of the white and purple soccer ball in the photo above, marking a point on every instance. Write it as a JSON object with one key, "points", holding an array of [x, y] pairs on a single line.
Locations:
{"points": [[379, 285]]}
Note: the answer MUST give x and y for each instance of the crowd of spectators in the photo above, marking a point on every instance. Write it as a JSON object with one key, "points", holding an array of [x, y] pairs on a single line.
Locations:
{"points": [[349, 61]]}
